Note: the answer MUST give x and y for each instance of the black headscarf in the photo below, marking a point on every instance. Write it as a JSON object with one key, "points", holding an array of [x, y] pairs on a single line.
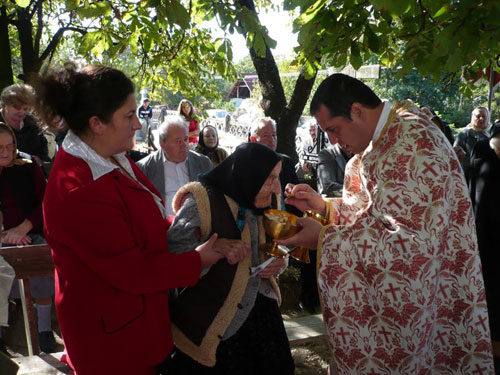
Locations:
{"points": [[242, 174], [201, 141]]}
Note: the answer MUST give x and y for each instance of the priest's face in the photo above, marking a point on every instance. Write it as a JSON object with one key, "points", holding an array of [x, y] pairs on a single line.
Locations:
{"points": [[352, 135]]}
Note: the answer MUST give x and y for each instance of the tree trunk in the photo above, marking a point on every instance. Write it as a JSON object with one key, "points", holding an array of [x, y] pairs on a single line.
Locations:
{"points": [[30, 61], [291, 114], [6, 74], [286, 115]]}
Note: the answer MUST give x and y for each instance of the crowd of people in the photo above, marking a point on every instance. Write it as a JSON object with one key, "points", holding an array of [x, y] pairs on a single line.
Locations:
{"points": [[152, 258]]}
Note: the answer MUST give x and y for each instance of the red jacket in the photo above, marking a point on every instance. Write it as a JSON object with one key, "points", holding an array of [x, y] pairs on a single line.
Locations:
{"points": [[109, 244]]}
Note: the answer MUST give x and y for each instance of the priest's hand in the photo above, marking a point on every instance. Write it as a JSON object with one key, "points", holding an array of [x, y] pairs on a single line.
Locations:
{"points": [[307, 236], [305, 198]]}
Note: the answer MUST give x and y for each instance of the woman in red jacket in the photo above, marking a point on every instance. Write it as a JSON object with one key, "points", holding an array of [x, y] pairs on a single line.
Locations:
{"points": [[107, 228], [186, 111]]}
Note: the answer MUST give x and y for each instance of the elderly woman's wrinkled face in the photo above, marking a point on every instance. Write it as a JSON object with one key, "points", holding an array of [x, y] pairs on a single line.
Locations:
{"points": [[14, 114], [210, 138], [480, 118], [271, 186], [6, 149]]}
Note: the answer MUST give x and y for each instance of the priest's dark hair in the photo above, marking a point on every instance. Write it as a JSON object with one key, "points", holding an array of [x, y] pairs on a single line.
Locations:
{"points": [[337, 93]]}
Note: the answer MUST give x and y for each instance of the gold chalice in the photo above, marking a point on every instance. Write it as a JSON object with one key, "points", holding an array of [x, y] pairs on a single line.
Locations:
{"points": [[279, 225], [301, 253]]}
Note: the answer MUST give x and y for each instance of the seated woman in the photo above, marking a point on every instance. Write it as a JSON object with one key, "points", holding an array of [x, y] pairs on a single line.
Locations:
{"points": [[208, 145], [22, 186], [229, 322]]}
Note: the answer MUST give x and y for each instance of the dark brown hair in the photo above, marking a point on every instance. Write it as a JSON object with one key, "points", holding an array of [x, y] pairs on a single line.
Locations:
{"points": [[75, 96]]}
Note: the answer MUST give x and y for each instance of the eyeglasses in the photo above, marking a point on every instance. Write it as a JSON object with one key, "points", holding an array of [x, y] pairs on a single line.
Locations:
{"points": [[8, 148], [187, 105]]}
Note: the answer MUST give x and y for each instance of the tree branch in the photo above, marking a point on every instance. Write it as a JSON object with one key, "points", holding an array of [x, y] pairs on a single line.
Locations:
{"points": [[38, 4], [39, 29], [301, 91], [424, 12], [57, 36]]}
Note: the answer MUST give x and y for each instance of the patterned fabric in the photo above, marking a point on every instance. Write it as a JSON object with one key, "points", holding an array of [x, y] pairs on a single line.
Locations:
{"points": [[399, 274]]}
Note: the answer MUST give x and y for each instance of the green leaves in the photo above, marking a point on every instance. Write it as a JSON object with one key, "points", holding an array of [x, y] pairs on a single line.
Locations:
{"points": [[372, 39], [355, 58], [434, 36], [90, 10], [22, 3], [177, 14]]}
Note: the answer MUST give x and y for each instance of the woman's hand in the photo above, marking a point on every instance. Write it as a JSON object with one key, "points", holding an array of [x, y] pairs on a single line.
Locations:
{"points": [[307, 236], [304, 198], [215, 249], [272, 269], [18, 235], [233, 250], [11, 237]]}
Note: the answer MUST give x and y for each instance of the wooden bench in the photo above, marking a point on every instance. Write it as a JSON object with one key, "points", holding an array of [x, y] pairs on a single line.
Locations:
{"points": [[44, 364], [28, 262]]}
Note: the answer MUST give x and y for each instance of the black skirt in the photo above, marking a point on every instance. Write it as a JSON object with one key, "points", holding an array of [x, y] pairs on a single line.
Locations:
{"points": [[260, 347]]}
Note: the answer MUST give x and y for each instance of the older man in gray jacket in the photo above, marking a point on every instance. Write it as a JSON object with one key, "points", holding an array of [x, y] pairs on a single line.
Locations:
{"points": [[174, 165]]}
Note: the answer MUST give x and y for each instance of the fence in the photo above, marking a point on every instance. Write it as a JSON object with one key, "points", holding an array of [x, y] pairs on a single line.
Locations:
{"points": [[227, 125]]}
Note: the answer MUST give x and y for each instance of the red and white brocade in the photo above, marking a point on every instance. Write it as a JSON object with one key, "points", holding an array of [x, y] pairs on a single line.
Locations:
{"points": [[399, 272]]}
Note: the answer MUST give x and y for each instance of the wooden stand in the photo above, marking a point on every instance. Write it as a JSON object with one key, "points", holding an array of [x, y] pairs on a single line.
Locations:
{"points": [[28, 262]]}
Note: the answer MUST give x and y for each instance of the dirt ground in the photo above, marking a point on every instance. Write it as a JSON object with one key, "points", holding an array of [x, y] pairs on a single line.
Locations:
{"points": [[310, 359]]}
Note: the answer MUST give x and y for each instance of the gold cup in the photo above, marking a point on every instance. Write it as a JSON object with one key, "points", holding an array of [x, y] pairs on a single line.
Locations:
{"points": [[279, 225], [301, 253]]}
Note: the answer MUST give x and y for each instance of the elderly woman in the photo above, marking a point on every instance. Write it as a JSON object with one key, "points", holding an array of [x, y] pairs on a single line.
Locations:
{"points": [[484, 187], [229, 322], [208, 145], [106, 225], [16, 102], [22, 185]]}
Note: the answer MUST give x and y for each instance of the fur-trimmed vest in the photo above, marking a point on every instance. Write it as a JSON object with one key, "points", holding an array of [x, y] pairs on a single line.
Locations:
{"points": [[201, 314]]}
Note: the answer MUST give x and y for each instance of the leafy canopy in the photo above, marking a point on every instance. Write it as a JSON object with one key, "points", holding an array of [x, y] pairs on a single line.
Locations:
{"points": [[433, 36]]}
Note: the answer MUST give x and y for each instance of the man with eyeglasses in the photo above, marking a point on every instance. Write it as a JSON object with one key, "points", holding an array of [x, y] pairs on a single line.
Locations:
{"points": [[263, 131]]}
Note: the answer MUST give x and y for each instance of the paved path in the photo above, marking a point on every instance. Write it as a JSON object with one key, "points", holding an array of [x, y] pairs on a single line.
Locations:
{"points": [[299, 331], [305, 329]]}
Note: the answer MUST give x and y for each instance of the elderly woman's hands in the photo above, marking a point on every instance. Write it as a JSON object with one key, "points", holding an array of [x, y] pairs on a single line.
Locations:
{"points": [[215, 249], [272, 269], [233, 250]]}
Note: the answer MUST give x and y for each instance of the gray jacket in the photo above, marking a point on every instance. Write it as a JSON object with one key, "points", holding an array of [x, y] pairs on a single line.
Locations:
{"points": [[152, 166]]}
